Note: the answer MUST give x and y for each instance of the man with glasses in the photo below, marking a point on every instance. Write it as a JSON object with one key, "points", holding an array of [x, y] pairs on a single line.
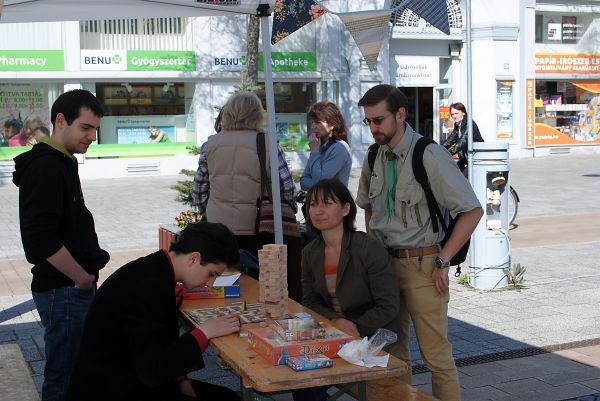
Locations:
{"points": [[396, 214]]}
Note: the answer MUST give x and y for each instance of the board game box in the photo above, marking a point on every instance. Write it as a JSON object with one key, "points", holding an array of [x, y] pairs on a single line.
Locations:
{"points": [[228, 291], [265, 342], [252, 314], [309, 362]]}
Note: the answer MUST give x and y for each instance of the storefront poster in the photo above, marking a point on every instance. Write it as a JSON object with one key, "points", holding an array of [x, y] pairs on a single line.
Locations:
{"points": [[571, 30], [32, 60], [530, 104], [148, 134], [554, 31], [291, 132], [504, 109], [556, 63], [24, 114]]}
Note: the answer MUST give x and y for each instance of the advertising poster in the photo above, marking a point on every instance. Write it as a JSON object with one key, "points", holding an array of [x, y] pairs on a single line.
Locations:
{"points": [[291, 132], [504, 109], [24, 114], [571, 31], [554, 31], [148, 134]]}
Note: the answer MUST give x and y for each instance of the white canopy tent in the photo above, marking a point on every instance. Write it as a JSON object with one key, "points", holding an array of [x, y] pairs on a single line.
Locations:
{"points": [[81, 10]]}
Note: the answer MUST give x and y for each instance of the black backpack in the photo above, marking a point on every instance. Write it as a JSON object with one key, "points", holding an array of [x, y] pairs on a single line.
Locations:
{"points": [[434, 208]]}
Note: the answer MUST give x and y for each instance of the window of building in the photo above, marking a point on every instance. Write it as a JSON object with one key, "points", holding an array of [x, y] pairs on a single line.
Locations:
{"points": [[292, 101], [408, 18], [568, 108]]}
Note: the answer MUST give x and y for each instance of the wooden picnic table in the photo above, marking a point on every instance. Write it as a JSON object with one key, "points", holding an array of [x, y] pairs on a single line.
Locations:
{"points": [[259, 376]]}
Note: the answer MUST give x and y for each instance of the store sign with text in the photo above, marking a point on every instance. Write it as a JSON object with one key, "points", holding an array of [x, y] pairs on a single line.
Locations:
{"points": [[556, 63], [32, 60], [280, 61], [137, 60], [417, 71]]}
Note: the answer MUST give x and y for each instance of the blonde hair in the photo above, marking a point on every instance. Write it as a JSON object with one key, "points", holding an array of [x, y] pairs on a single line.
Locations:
{"points": [[242, 111]]}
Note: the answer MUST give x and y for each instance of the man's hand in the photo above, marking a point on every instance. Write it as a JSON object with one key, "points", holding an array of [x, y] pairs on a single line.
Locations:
{"points": [[440, 278], [347, 326], [85, 282], [220, 326], [314, 143]]}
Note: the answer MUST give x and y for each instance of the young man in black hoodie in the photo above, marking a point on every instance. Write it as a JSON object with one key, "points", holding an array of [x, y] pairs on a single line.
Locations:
{"points": [[58, 233]]}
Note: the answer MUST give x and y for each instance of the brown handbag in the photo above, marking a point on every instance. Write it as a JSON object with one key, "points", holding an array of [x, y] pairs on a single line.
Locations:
{"points": [[264, 206]]}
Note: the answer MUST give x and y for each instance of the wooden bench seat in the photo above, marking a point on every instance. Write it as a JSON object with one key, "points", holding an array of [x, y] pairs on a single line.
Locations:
{"points": [[393, 390], [16, 383]]}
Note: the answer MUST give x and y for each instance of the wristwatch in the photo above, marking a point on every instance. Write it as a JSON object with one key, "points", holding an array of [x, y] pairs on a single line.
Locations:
{"points": [[441, 264]]}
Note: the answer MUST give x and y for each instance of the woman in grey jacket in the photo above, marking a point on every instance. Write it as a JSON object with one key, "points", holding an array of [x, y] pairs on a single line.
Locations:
{"points": [[347, 276]]}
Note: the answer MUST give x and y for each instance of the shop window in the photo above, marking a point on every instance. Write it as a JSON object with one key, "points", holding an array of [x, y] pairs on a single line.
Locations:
{"points": [[125, 99], [567, 112], [292, 101]]}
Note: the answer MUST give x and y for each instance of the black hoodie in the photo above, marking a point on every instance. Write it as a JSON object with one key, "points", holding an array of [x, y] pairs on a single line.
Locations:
{"points": [[52, 213]]}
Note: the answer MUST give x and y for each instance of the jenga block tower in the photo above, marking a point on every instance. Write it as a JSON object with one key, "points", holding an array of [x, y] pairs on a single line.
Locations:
{"points": [[272, 278]]}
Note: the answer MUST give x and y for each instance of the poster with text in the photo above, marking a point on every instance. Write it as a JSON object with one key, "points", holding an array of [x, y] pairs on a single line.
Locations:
{"points": [[150, 134], [24, 114], [504, 109]]}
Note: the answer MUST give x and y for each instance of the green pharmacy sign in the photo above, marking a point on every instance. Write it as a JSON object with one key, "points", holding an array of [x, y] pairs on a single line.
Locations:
{"points": [[290, 61], [146, 60], [32, 60]]}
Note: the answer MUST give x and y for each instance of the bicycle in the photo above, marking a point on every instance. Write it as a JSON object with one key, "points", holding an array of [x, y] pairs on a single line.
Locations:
{"points": [[513, 205]]}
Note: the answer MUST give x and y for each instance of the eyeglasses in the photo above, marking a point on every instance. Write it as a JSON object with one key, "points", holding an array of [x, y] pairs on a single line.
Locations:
{"points": [[375, 120]]}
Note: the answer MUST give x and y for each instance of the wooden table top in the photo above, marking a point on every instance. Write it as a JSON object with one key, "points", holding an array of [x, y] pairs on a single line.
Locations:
{"points": [[258, 374]]}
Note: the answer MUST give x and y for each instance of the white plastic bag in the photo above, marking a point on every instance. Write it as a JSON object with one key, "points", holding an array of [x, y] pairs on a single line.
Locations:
{"points": [[364, 352]]}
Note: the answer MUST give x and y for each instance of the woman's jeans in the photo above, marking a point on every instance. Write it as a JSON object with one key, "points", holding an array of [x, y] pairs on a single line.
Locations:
{"points": [[62, 311]]}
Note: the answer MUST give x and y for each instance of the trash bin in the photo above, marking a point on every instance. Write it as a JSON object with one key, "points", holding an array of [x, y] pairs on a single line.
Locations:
{"points": [[490, 243]]}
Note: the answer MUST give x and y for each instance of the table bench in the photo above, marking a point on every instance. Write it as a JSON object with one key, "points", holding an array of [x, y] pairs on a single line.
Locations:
{"points": [[16, 383]]}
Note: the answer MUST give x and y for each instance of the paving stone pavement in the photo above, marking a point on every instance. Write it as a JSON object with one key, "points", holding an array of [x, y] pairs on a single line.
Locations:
{"points": [[556, 238]]}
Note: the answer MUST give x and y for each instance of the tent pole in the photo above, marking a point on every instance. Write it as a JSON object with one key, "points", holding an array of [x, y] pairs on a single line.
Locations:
{"points": [[263, 12]]}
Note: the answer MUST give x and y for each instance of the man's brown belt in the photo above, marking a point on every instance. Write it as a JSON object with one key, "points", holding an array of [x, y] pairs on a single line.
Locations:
{"points": [[398, 253]]}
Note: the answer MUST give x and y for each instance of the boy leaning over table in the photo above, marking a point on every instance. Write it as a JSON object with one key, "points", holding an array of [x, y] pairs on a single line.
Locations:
{"points": [[131, 348]]}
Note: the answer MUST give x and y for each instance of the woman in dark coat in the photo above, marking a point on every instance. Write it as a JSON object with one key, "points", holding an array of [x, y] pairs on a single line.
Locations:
{"points": [[458, 141]]}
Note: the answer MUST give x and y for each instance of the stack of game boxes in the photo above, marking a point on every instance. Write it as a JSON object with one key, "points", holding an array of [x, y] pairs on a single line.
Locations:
{"points": [[272, 260]]}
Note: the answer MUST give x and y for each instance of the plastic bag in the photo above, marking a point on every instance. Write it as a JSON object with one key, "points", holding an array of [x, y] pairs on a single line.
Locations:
{"points": [[364, 352]]}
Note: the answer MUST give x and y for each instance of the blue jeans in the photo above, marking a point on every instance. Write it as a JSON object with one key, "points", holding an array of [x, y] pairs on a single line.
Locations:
{"points": [[63, 312]]}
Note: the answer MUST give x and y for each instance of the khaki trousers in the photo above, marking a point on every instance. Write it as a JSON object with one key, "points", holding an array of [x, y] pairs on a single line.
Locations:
{"points": [[420, 302]]}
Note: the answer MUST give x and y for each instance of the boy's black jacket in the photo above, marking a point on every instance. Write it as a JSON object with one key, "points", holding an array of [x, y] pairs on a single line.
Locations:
{"points": [[52, 213]]}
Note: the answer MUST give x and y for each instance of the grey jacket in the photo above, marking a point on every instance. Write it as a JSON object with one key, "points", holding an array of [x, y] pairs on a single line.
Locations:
{"points": [[367, 287]]}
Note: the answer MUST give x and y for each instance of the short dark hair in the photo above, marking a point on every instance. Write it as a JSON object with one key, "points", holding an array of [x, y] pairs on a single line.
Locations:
{"points": [[214, 241], [459, 106], [71, 102], [13, 122], [331, 114], [394, 98], [326, 189]]}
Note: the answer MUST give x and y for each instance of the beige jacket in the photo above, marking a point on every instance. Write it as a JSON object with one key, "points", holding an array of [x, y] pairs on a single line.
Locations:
{"points": [[234, 179]]}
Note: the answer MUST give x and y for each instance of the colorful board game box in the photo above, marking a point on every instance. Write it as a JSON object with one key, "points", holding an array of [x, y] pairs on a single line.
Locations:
{"points": [[309, 362], [265, 342], [226, 291], [229, 291]]}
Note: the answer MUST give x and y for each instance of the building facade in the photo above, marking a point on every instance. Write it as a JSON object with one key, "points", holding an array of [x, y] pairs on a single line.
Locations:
{"points": [[535, 78]]}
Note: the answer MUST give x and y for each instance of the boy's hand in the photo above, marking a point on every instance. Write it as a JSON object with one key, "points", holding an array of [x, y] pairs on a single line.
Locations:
{"points": [[220, 326]]}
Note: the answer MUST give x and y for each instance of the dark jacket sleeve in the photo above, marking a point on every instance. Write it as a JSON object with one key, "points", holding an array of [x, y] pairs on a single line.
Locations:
{"points": [[159, 356], [42, 198], [476, 134], [451, 140], [311, 298], [382, 285]]}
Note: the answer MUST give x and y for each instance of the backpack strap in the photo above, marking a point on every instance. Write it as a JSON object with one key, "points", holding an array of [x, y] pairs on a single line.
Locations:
{"points": [[372, 155], [421, 177]]}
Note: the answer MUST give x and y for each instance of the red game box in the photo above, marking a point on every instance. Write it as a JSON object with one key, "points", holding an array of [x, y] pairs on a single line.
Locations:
{"points": [[275, 350]]}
